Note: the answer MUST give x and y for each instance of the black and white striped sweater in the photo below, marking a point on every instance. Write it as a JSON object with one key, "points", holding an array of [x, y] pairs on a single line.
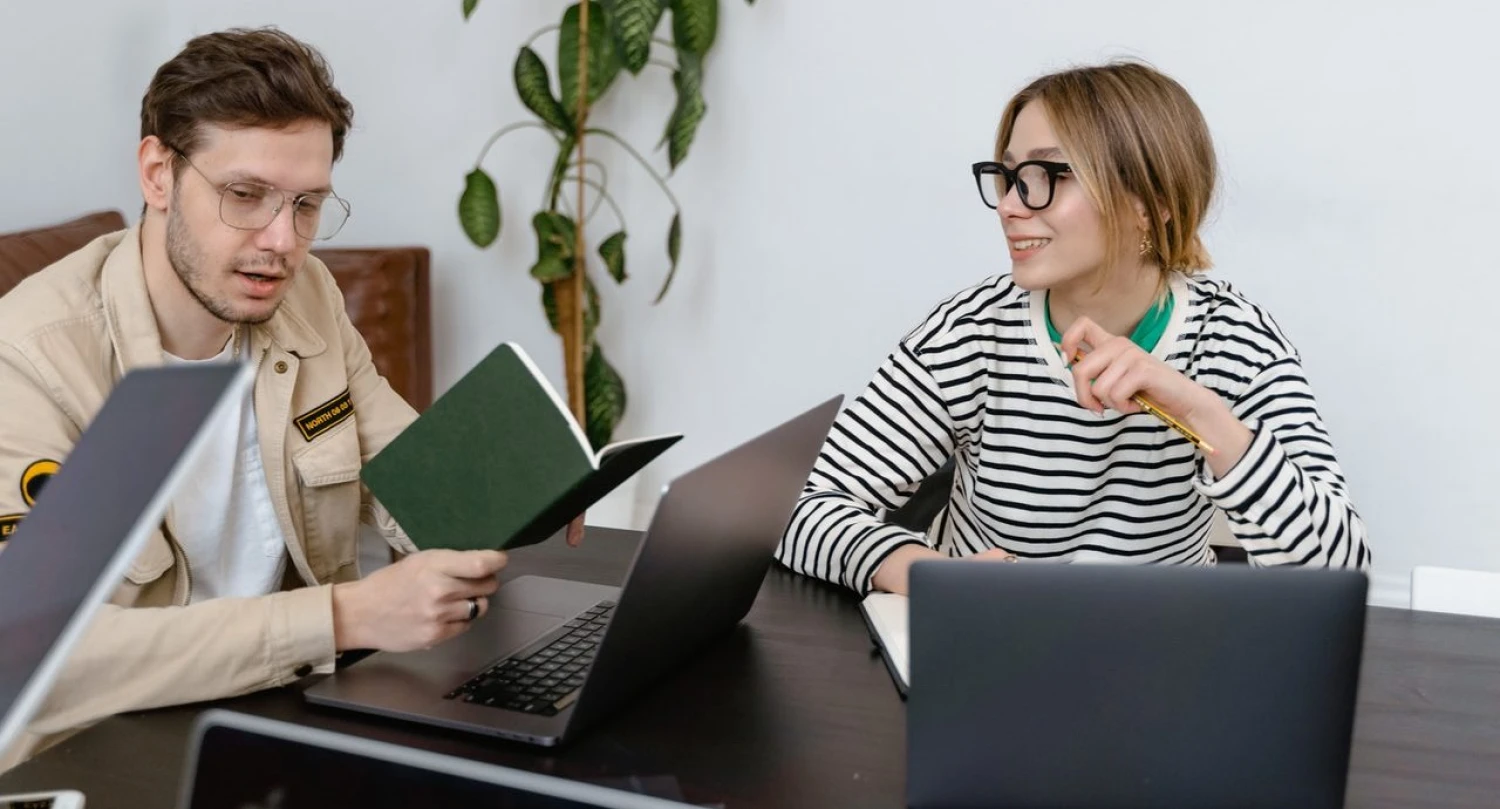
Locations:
{"points": [[1040, 476]]}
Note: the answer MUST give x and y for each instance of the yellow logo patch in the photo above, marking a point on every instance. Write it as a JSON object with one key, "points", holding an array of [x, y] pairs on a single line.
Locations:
{"points": [[326, 416], [8, 525], [35, 477]]}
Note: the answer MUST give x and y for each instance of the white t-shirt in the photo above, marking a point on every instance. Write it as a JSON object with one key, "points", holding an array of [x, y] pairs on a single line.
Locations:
{"points": [[222, 513]]}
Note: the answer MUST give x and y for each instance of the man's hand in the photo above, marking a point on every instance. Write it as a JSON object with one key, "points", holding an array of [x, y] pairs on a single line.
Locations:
{"points": [[415, 603]]}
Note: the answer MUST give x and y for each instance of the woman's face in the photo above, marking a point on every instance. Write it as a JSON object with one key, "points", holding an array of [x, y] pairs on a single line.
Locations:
{"points": [[1064, 242]]}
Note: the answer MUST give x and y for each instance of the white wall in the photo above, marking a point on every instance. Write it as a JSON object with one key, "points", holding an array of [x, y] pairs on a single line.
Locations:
{"points": [[828, 202]]}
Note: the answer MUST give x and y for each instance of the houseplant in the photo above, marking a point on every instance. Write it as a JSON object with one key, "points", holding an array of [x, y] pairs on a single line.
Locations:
{"points": [[595, 41]]}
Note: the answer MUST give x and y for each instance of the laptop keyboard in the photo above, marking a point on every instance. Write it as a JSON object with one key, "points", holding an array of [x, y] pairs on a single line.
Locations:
{"points": [[546, 679]]}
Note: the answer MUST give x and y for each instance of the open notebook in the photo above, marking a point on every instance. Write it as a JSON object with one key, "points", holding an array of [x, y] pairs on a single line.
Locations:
{"points": [[886, 616], [498, 461]]}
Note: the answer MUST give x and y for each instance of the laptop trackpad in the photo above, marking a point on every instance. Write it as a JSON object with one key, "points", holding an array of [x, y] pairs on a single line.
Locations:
{"points": [[557, 598]]}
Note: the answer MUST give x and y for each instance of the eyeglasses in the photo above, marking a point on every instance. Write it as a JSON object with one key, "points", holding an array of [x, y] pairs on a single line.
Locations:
{"points": [[1036, 180], [245, 205]]}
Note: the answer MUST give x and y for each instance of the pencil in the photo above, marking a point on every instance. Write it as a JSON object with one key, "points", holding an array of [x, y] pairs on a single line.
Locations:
{"points": [[1152, 408]]}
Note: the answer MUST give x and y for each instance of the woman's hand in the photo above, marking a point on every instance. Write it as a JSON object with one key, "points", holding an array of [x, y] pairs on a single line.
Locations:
{"points": [[1114, 370]]}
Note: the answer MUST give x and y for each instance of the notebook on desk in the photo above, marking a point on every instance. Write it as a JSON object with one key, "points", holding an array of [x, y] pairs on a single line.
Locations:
{"points": [[886, 618], [94, 516]]}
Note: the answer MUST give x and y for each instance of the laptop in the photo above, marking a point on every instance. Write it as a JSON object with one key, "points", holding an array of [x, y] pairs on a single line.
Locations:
{"points": [[93, 518], [554, 655], [237, 761], [1039, 685]]}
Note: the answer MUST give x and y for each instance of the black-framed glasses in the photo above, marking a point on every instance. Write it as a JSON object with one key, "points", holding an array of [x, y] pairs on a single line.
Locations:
{"points": [[245, 205], [1035, 180]]}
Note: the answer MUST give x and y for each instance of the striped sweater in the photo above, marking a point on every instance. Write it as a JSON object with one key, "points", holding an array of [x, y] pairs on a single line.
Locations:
{"points": [[1043, 478]]}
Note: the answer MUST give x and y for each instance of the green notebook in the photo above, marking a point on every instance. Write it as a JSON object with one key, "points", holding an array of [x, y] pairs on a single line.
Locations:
{"points": [[498, 461]]}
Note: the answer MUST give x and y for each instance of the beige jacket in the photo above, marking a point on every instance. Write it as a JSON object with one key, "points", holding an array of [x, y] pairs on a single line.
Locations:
{"points": [[67, 334]]}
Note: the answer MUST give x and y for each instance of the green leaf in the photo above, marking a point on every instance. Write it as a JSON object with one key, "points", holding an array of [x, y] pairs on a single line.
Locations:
{"points": [[549, 305], [469, 8], [604, 62], [534, 87], [560, 168], [555, 233], [612, 250], [683, 125], [694, 25], [674, 248], [550, 269], [604, 398], [591, 312], [632, 23], [479, 208]]}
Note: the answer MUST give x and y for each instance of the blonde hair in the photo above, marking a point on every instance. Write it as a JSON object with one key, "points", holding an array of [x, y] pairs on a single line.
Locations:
{"points": [[1131, 131]]}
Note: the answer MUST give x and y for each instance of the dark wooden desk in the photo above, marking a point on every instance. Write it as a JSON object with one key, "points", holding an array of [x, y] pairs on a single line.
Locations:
{"points": [[794, 710]]}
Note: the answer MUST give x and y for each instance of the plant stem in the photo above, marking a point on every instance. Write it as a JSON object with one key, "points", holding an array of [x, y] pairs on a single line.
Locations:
{"points": [[570, 292], [669, 43], [598, 164], [572, 315], [660, 183], [668, 65], [599, 186], [603, 197], [509, 129], [539, 33]]}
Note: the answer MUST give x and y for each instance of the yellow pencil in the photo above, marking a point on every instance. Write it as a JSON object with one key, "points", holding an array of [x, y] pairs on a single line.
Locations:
{"points": [[1151, 407]]}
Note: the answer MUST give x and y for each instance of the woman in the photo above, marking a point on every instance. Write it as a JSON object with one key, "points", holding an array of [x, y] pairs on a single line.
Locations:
{"points": [[1103, 176]]}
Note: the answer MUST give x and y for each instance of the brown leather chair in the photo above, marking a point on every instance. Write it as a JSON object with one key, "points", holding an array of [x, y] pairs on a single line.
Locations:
{"points": [[385, 290], [23, 253]]}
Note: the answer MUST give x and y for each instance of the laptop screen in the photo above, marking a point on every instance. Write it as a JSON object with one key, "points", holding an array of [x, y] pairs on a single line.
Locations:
{"points": [[245, 762], [56, 562]]}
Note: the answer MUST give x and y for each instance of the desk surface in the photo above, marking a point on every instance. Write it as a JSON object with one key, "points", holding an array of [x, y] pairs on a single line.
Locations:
{"points": [[793, 709]]}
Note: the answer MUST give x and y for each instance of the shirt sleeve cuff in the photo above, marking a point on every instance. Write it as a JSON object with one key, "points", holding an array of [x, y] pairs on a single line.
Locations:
{"points": [[302, 633], [1244, 483], [873, 549]]}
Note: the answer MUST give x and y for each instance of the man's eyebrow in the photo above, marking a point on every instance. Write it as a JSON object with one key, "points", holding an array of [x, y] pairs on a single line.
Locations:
{"points": [[251, 177]]}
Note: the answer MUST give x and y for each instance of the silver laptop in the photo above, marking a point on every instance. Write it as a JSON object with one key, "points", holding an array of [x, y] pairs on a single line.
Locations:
{"points": [[237, 761], [554, 655], [1040, 685], [93, 518]]}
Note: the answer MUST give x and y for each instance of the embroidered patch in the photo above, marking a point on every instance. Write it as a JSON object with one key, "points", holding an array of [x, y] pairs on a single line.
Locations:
{"points": [[326, 416], [35, 477], [8, 525]]}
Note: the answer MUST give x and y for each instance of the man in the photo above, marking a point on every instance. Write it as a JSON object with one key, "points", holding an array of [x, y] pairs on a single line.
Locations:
{"points": [[251, 583]]}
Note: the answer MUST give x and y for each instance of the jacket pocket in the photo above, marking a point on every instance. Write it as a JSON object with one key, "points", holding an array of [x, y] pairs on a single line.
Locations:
{"points": [[154, 560], [329, 488]]}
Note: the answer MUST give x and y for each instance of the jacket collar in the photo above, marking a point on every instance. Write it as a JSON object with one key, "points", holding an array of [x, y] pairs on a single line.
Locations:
{"points": [[132, 321]]}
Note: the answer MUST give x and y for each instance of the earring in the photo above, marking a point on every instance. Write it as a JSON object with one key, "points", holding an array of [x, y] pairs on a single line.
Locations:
{"points": [[1146, 244]]}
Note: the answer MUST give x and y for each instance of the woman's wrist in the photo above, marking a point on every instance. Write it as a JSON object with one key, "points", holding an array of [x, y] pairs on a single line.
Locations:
{"points": [[1217, 425], [894, 570]]}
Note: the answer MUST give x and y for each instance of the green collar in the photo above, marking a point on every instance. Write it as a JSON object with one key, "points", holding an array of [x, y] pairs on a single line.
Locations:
{"points": [[1147, 333]]}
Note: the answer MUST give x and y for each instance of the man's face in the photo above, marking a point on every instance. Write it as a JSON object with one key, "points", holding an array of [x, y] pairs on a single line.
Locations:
{"points": [[242, 275]]}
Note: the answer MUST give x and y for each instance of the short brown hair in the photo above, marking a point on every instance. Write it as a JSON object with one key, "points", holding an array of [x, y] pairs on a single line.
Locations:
{"points": [[1130, 130], [242, 77]]}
